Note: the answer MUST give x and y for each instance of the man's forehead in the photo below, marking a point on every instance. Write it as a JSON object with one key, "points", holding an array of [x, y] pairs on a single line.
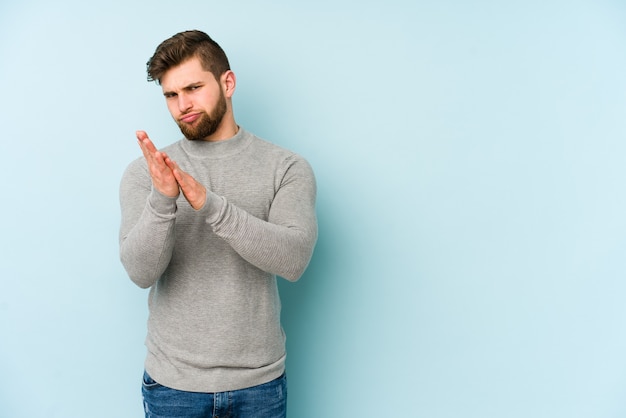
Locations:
{"points": [[185, 74]]}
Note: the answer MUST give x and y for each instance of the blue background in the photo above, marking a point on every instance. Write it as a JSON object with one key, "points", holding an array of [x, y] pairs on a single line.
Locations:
{"points": [[470, 164]]}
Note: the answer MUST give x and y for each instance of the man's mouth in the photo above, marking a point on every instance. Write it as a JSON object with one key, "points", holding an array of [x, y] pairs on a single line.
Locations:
{"points": [[190, 118]]}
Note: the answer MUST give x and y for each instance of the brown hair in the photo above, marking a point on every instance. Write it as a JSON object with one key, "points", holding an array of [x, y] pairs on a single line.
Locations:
{"points": [[183, 46]]}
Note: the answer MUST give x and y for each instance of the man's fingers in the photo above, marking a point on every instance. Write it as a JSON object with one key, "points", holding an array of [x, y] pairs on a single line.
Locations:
{"points": [[170, 163], [162, 177], [153, 156], [141, 135], [178, 173], [144, 142], [194, 192]]}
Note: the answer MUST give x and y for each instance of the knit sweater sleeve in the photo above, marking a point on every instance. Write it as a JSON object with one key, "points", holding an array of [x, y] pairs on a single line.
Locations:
{"points": [[283, 244], [147, 226]]}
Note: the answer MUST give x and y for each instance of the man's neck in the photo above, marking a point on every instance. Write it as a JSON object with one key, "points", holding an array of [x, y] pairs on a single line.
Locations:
{"points": [[227, 129]]}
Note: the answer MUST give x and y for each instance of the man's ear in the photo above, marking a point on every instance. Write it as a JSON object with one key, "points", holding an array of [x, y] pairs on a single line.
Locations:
{"points": [[229, 82]]}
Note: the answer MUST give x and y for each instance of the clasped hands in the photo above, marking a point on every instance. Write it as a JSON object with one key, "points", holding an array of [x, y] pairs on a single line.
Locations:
{"points": [[167, 176]]}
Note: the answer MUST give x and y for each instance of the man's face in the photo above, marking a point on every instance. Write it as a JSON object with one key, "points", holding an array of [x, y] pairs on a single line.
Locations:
{"points": [[195, 99]]}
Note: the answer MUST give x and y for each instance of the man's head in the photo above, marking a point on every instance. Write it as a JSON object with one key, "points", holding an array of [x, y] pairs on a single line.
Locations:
{"points": [[183, 46], [197, 83]]}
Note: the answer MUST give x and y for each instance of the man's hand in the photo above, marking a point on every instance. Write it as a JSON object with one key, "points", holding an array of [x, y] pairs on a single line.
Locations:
{"points": [[194, 192], [167, 177], [162, 177]]}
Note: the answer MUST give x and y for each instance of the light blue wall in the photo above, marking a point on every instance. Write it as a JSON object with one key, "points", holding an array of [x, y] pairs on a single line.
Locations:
{"points": [[470, 157]]}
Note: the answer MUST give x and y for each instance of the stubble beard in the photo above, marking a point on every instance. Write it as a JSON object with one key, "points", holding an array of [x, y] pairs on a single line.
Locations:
{"points": [[207, 124]]}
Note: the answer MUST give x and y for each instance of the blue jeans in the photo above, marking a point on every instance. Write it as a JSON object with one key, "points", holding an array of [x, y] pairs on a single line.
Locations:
{"points": [[268, 400]]}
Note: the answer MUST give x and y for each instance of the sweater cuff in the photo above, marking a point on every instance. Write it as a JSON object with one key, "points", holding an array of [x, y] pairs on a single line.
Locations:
{"points": [[163, 205], [212, 207]]}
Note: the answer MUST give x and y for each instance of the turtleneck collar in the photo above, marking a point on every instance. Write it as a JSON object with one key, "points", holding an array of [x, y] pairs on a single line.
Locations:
{"points": [[218, 149]]}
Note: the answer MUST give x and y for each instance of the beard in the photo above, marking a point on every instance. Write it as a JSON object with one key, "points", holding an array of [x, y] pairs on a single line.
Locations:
{"points": [[206, 124]]}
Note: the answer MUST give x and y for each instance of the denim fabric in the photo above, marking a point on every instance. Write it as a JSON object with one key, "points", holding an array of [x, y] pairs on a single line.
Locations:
{"points": [[268, 400]]}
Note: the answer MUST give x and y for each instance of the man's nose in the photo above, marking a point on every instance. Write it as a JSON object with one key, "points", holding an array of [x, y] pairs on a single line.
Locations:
{"points": [[184, 103]]}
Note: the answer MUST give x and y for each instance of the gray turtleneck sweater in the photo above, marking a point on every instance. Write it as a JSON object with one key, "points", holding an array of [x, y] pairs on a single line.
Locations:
{"points": [[214, 322]]}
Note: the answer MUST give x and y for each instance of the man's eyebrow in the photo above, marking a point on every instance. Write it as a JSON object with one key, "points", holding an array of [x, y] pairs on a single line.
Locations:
{"points": [[187, 87], [194, 84]]}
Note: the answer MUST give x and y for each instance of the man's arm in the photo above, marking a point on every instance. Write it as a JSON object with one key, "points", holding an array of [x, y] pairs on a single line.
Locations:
{"points": [[282, 245], [148, 202]]}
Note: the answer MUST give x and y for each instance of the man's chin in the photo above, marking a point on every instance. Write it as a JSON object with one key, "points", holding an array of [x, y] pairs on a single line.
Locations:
{"points": [[190, 134], [193, 138]]}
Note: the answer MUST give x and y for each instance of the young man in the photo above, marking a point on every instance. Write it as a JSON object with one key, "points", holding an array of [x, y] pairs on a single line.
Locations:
{"points": [[207, 224]]}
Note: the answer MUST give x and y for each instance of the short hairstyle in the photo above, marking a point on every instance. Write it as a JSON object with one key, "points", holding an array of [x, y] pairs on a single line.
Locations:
{"points": [[183, 46]]}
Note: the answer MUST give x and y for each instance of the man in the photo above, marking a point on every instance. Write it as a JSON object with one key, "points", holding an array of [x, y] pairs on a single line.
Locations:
{"points": [[207, 224]]}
